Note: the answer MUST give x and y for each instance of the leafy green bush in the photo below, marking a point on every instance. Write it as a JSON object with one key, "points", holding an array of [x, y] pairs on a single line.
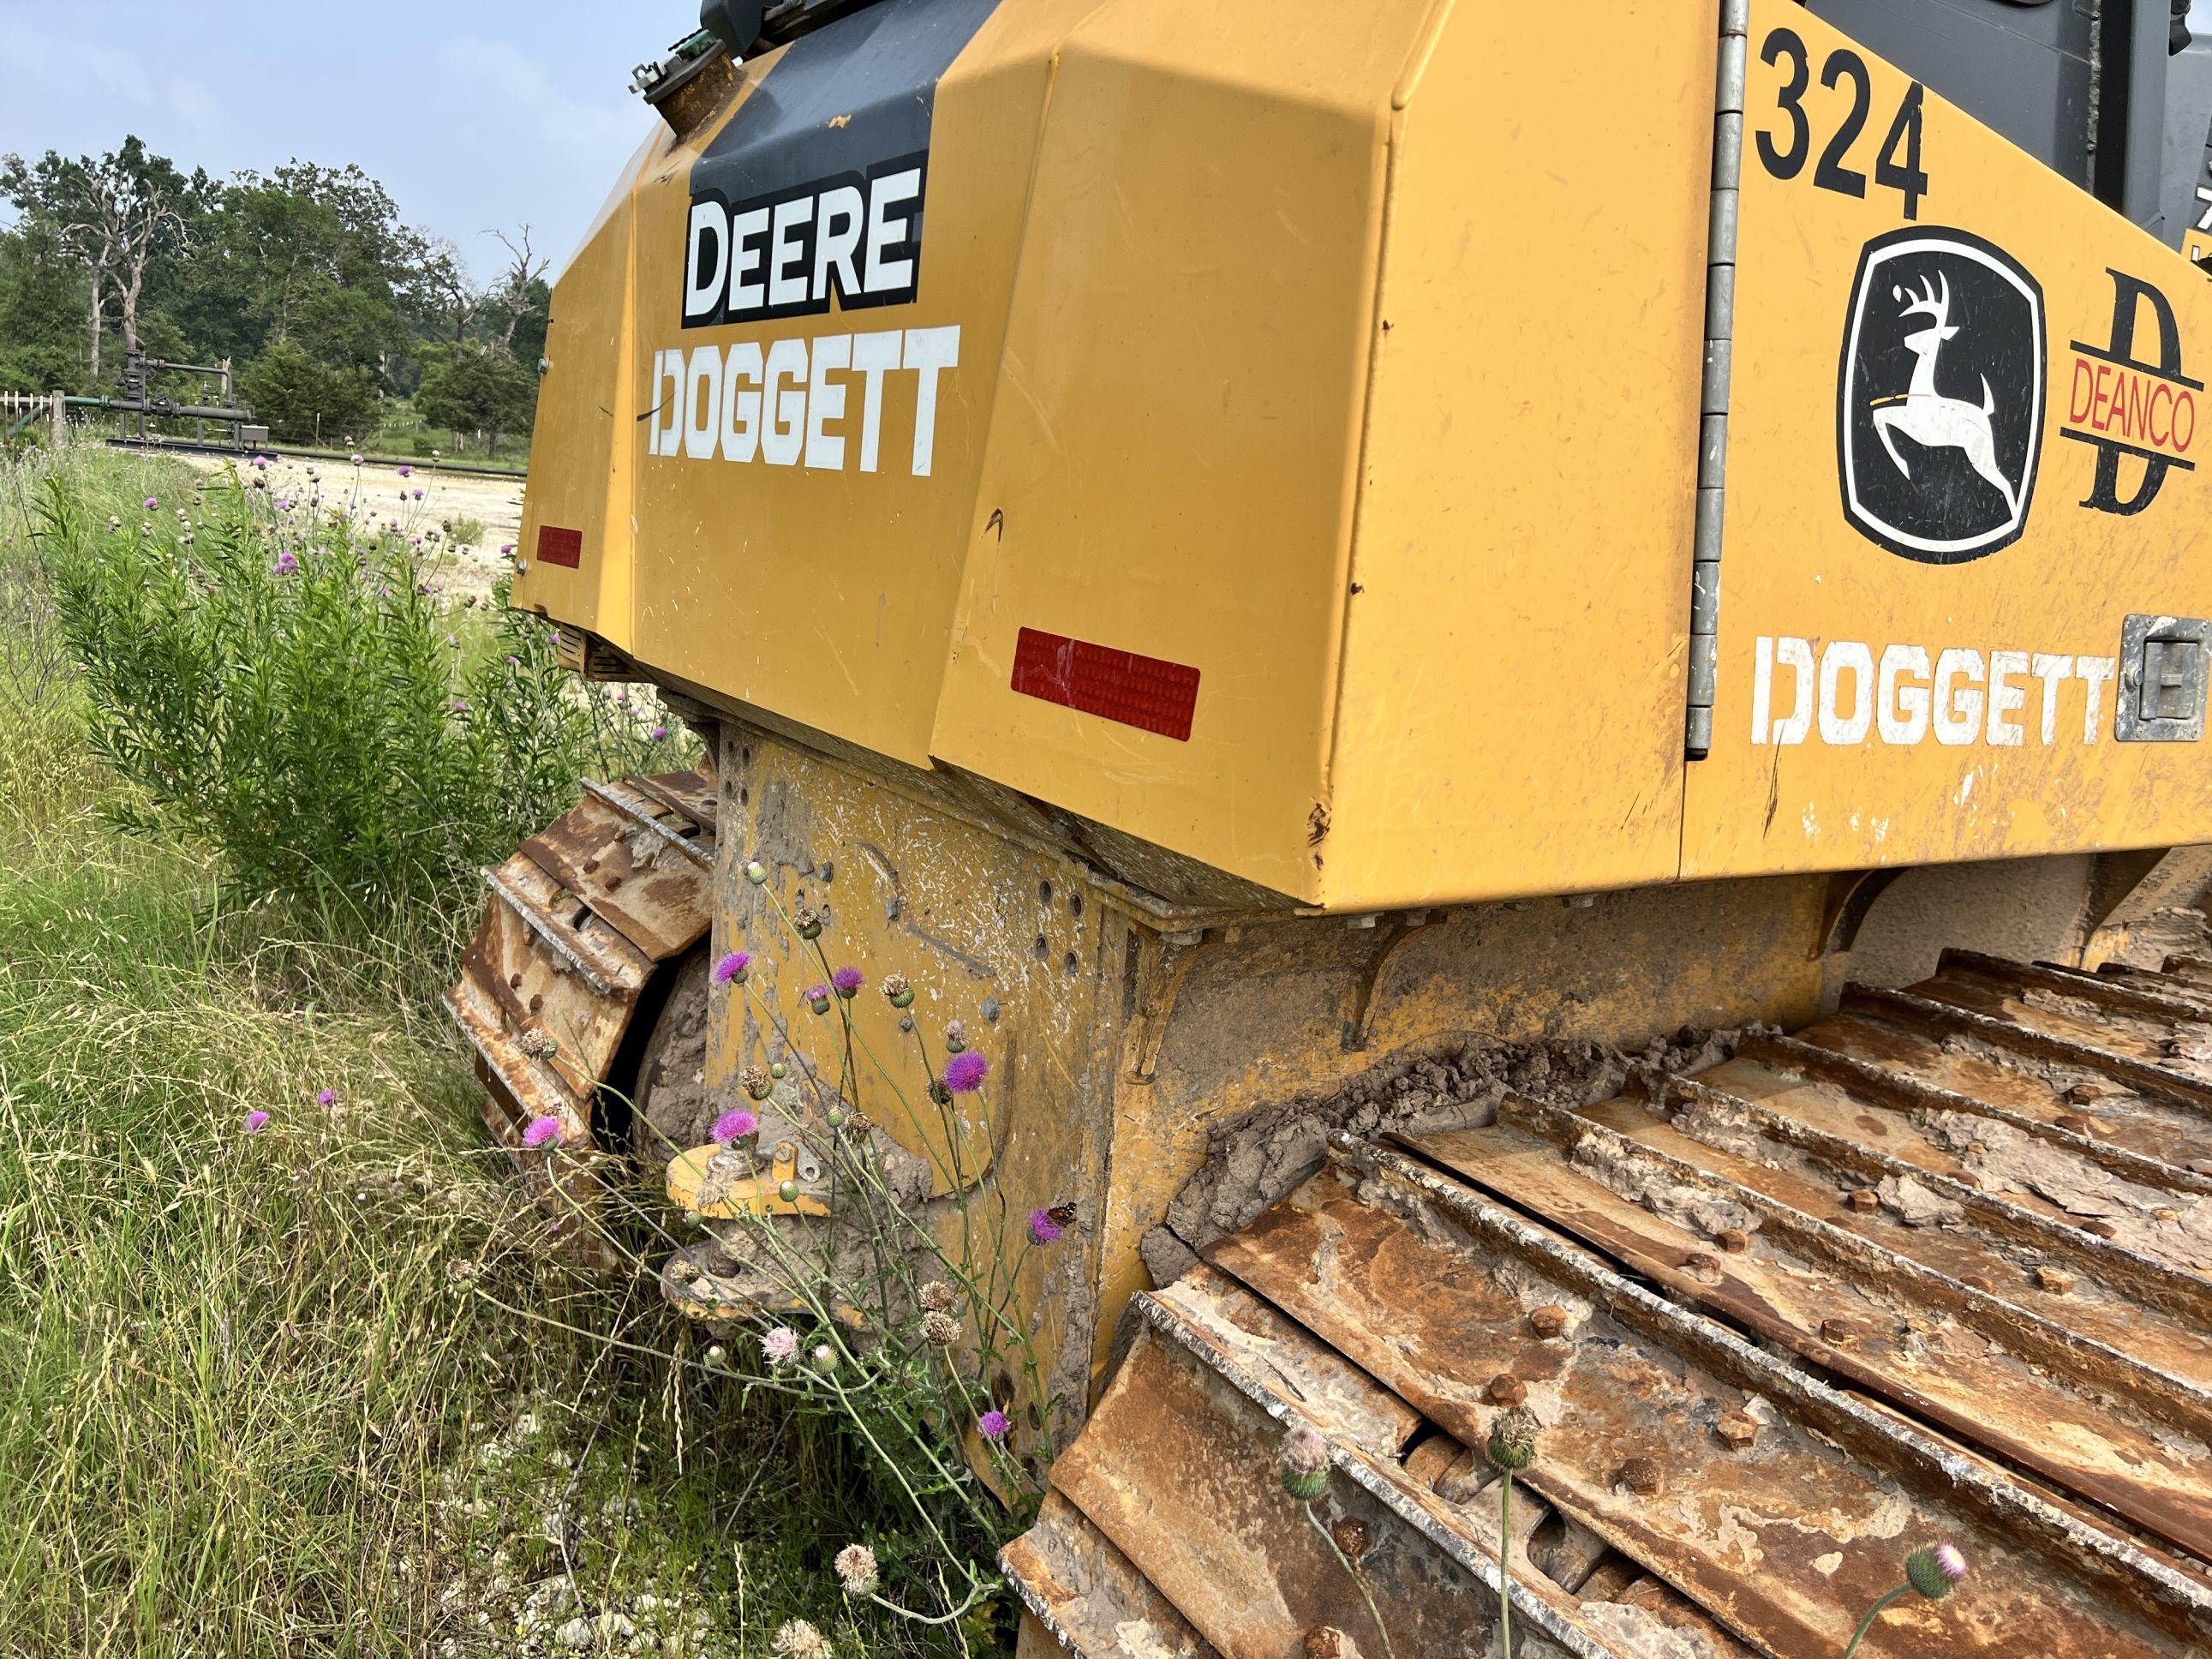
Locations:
{"points": [[279, 679], [305, 398]]}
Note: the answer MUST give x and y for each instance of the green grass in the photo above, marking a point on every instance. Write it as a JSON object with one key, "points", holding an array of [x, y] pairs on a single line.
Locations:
{"points": [[326, 1388], [402, 432]]}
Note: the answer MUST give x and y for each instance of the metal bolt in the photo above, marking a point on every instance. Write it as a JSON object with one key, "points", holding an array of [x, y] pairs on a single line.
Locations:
{"points": [[613, 882], [1976, 1281], [2082, 1093], [1863, 1200], [1642, 1476], [1737, 1429], [1733, 1240], [1699, 1265], [1507, 1389], [1351, 1535], [514, 981], [1548, 1321], [2056, 1280], [2163, 1213], [1837, 1330], [537, 1004]]}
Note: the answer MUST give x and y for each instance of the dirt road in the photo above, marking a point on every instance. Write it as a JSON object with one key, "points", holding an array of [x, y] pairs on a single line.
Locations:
{"points": [[423, 500]]}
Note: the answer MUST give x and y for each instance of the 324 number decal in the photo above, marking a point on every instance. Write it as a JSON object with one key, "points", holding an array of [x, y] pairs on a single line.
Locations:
{"points": [[1784, 151]]}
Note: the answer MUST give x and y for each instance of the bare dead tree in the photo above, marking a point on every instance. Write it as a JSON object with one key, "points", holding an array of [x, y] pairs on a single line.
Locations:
{"points": [[525, 267], [112, 213], [447, 284]]}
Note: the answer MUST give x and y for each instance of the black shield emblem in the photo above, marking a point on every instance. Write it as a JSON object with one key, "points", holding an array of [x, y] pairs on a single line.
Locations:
{"points": [[1940, 396]]}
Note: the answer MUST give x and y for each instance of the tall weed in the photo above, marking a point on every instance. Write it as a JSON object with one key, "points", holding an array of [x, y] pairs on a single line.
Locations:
{"points": [[285, 681]]}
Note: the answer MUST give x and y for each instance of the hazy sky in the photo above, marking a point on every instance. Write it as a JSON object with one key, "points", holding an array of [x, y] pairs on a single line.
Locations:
{"points": [[474, 113]]}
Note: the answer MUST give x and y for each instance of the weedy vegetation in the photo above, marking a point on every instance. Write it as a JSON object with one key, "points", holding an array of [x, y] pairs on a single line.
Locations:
{"points": [[291, 1366]]}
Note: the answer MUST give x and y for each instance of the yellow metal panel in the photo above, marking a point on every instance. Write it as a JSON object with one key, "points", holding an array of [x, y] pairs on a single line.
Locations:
{"points": [[1511, 711], [1171, 460], [823, 592], [1936, 687], [581, 458]]}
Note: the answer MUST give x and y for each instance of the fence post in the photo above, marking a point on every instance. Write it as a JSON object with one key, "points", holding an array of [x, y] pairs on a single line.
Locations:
{"points": [[60, 418]]}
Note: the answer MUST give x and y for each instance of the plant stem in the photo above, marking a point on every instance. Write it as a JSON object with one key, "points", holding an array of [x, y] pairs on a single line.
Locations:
{"points": [[1873, 1613], [1505, 1566], [1359, 1582]]}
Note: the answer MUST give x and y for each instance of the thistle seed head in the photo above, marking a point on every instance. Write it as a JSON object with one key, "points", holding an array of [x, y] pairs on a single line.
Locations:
{"points": [[1513, 1439]]}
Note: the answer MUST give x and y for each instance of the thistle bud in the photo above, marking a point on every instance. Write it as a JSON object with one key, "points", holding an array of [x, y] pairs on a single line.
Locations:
{"points": [[939, 1330], [938, 1297], [1935, 1569], [897, 992], [1303, 1460], [1512, 1445], [807, 920], [756, 1082]]}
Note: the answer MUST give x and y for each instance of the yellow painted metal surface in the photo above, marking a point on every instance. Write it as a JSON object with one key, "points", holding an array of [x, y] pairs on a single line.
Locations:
{"points": [[1510, 708], [584, 457], [1937, 703], [1350, 378], [1175, 439]]}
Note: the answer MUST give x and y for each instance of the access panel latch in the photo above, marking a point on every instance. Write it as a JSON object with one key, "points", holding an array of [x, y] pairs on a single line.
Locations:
{"points": [[2162, 679]]}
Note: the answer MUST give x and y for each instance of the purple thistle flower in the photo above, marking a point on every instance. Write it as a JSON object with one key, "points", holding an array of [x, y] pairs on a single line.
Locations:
{"points": [[819, 997], [993, 1425], [357, 459], [406, 472], [151, 503], [256, 1122], [326, 1097], [1043, 1230], [848, 982], [734, 1125], [965, 1070], [507, 547], [418, 495], [1953, 1563], [659, 732], [542, 1131], [780, 1344], [732, 967], [287, 562]]}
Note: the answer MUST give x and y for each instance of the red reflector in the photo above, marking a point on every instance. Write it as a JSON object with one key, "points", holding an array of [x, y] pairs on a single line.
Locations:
{"points": [[1140, 691], [559, 546]]}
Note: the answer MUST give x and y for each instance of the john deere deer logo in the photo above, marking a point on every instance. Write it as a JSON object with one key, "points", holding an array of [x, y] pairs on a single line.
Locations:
{"points": [[1941, 396], [1926, 415]]}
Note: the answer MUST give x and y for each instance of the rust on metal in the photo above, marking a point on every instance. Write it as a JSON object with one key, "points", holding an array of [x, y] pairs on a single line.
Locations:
{"points": [[1938, 1268], [2094, 1418], [580, 920]]}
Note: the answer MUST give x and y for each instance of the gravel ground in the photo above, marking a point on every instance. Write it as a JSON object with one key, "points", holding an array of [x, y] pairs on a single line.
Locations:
{"points": [[447, 498]]}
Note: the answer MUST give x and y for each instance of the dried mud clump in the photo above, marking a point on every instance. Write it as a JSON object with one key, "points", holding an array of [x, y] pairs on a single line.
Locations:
{"points": [[1259, 1159]]}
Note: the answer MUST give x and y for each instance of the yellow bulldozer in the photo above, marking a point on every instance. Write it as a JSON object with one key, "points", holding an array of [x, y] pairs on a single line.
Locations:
{"points": [[1537, 673]]}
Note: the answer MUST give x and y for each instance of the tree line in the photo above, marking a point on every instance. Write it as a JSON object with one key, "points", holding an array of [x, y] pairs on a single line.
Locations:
{"points": [[305, 279]]}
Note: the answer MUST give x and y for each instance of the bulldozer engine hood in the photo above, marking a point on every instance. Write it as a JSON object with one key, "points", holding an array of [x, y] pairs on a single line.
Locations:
{"points": [[1302, 452]]}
